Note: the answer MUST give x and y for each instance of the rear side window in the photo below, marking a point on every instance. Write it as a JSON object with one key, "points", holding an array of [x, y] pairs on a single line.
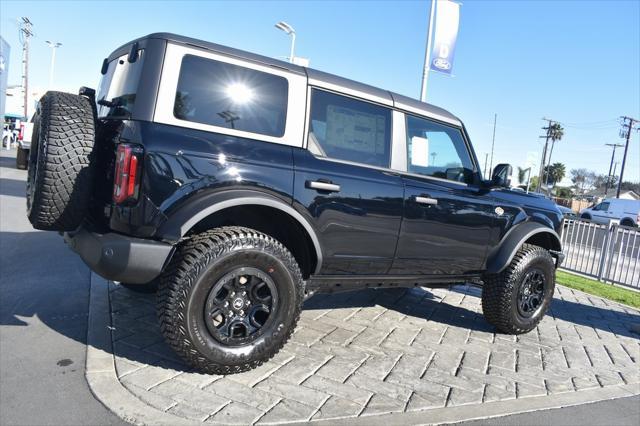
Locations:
{"points": [[437, 150], [348, 129], [231, 96], [118, 87]]}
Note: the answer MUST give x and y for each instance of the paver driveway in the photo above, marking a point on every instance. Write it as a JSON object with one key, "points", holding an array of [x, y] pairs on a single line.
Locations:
{"points": [[385, 351]]}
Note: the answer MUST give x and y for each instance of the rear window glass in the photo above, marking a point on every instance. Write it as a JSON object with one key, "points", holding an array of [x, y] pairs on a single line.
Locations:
{"points": [[118, 87], [230, 96]]}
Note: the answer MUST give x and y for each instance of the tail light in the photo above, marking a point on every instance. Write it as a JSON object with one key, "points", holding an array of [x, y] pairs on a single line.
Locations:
{"points": [[21, 133], [126, 182]]}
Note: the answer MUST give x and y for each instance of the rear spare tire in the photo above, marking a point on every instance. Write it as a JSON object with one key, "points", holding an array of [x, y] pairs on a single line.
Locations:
{"points": [[60, 172]]}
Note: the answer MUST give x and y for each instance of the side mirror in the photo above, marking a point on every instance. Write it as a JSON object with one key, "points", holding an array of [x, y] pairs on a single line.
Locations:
{"points": [[502, 175]]}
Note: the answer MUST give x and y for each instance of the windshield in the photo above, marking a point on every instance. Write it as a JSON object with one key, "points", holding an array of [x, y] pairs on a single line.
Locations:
{"points": [[117, 93]]}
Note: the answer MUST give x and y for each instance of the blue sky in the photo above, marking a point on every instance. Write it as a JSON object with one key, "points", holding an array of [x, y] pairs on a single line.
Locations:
{"points": [[577, 62]]}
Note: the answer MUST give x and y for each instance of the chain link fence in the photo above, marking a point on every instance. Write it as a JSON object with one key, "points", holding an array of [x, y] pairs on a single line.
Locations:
{"points": [[610, 253]]}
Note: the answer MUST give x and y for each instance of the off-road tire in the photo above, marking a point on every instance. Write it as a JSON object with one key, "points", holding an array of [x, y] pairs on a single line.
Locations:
{"points": [[60, 178], [148, 288], [500, 291], [199, 262], [22, 159]]}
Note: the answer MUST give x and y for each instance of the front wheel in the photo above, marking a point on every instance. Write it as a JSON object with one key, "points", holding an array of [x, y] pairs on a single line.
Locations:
{"points": [[516, 299], [229, 299]]}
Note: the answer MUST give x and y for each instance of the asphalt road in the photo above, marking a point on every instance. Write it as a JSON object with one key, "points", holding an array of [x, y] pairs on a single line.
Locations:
{"points": [[44, 292], [43, 318]]}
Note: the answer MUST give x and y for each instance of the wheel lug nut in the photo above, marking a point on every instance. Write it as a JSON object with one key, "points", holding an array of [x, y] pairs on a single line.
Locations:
{"points": [[241, 313], [243, 280], [244, 293], [233, 293], [226, 303]]}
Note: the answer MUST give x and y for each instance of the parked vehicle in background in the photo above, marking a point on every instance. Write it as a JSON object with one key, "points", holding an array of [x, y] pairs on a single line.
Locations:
{"points": [[243, 185], [567, 213], [626, 211], [24, 144]]}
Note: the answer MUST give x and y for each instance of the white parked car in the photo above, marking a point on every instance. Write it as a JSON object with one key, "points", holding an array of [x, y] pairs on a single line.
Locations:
{"points": [[626, 211], [24, 144]]}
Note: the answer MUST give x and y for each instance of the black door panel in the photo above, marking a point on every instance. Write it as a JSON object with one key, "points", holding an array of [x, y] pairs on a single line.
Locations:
{"points": [[446, 229], [356, 211]]}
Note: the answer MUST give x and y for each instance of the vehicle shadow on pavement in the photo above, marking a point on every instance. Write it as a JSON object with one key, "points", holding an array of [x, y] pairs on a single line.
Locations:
{"points": [[12, 187], [8, 162], [135, 329]]}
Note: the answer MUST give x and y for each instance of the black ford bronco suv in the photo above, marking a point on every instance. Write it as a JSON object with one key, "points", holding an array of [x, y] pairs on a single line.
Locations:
{"points": [[240, 185]]}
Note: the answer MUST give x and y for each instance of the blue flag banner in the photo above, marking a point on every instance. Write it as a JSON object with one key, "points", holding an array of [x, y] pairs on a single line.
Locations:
{"points": [[445, 35]]}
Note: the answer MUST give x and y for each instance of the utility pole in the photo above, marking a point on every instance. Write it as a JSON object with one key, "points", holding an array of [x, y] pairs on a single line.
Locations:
{"points": [[609, 177], [627, 122], [25, 34], [493, 141], [544, 151]]}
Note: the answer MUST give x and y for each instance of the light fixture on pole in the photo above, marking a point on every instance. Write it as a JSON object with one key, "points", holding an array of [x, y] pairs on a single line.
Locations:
{"points": [[53, 46], [289, 30]]}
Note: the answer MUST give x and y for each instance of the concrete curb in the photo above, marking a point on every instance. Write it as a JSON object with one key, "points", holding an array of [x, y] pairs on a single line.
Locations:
{"points": [[101, 371], [104, 384]]}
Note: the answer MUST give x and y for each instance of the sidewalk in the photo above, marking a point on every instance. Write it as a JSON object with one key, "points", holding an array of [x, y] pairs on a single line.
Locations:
{"points": [[370, 357]]}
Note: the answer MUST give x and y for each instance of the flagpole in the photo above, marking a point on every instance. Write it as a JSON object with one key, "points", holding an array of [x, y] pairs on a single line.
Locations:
{"points": [[427, 54]]}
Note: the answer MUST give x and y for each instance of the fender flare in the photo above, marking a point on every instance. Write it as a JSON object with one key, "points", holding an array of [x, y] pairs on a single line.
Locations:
{"points": [[502, 255], [192, 212]]}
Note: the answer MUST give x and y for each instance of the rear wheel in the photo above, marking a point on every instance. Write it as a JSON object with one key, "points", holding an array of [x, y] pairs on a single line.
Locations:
{"points": [[627, 222], [60, 177], [22, 158], [229, 299], [516, 300]]}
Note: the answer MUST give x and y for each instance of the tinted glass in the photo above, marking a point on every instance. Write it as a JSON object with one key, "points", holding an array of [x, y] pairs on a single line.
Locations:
{"points": [[119, 86], [230, 96], [347, 129], [437, 150]]}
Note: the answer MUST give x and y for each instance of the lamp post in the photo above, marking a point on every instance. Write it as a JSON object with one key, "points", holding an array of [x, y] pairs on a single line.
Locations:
{"points": [[289, 30], [53, 46]]}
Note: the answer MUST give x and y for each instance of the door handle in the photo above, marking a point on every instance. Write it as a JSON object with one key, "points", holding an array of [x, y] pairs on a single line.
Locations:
{"points": [[323, 186], [426, 200]]}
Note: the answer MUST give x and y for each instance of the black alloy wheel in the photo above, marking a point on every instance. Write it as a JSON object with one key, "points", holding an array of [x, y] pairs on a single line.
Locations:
{"points": [[531, 293], [239, 306]]}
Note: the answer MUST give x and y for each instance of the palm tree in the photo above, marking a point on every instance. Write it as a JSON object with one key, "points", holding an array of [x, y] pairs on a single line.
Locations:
{"points": [[556, 132], [557, 172], [522, 175]]}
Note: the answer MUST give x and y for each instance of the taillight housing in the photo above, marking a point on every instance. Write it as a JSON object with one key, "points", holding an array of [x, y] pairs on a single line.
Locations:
{"points": [[127, 177], [21, 133]]}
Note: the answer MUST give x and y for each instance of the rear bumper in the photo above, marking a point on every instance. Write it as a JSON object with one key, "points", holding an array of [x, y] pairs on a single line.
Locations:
{"points": [[118, 257]]}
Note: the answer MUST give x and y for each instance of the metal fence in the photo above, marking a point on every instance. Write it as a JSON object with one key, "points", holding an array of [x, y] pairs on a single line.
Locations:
{"points": [[610, 253]]}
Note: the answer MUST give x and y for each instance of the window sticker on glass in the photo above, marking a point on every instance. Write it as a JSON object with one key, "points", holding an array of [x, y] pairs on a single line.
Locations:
{"points": [[419, 151], [355, 130]]}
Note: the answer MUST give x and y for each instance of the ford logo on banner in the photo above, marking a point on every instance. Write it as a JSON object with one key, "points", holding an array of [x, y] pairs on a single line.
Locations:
{"points": [[445, 35]]}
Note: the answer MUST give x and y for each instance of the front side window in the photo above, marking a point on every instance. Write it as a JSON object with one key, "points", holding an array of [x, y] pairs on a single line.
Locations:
{"points": [[437, 150], [602, 207], [230, 96], [348, 129]]}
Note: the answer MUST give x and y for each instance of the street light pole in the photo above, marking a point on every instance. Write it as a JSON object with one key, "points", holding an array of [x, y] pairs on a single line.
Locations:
{"points": [[53, 46], [289, 30]]}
